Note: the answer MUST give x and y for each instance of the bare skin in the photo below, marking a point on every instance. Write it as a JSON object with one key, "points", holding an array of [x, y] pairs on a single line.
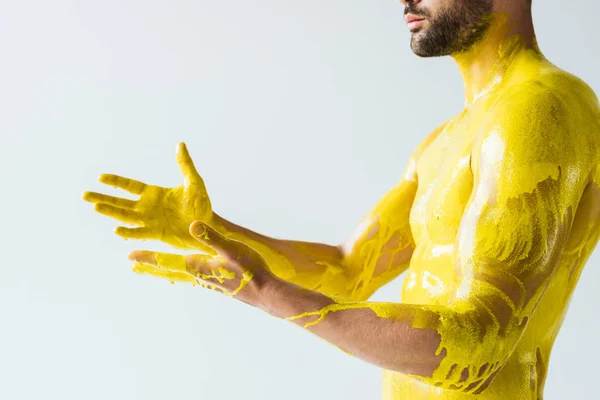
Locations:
{"points": [[493, 220]]}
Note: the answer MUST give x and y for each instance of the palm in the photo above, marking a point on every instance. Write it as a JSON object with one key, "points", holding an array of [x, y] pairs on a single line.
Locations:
{"points": [[160, 213], [168, 212]]}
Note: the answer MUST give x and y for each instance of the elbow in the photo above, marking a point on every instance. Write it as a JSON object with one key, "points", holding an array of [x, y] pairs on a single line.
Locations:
{"points": [[453, 350], [475, 357], [467, 379], [473, 372], [469, 365], [478, 382], [471, 348]]}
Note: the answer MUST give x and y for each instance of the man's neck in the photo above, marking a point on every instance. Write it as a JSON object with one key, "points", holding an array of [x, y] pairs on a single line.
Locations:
{"points": [[484, 65]]}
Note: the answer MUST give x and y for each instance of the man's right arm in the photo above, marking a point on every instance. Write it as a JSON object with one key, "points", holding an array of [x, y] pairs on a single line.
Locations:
{"points": [[378, 251]]}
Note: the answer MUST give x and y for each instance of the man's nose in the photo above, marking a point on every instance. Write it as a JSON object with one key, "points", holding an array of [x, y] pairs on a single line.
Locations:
{"points": [[405, 2]]}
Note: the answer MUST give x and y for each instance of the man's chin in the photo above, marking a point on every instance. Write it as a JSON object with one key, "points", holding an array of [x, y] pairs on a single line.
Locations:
{"points": [[425, 53], [416, 47], [419, 44]]}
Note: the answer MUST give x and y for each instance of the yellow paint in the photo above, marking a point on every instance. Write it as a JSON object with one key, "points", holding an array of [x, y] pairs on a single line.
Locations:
{"points": [[163, 214], [175, 267], [494, 218], [145, 269], [504, 205]]}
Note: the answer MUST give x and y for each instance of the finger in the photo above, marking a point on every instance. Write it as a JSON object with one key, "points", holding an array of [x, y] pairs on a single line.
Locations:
{"points": [[209, 236], [210, 269], [131, 185], [120, 214], [205, 263], [178, 264], [164, 261], [134, 233], [145, 269], [211, 286], [230, 249], [94, 197], [214, 271], [187, 165]]}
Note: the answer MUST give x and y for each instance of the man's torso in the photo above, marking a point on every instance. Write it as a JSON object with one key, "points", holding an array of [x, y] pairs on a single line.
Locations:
{"points": [[445, 182]]}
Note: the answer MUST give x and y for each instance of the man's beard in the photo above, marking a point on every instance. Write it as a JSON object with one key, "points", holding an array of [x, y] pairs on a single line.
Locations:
{"points": [[455, 29]]}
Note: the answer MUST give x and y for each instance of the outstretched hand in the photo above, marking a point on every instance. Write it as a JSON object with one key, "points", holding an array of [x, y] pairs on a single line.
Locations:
{"points": [[163, 214], [237, 270]]}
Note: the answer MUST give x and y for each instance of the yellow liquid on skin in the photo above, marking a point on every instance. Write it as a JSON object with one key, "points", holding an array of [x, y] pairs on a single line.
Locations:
{"points": [[490, 202], [495, 263], [505, 213]]}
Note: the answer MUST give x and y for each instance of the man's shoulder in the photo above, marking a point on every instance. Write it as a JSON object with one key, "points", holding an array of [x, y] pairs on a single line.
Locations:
{"points": [[552, 120], [552, 91]]}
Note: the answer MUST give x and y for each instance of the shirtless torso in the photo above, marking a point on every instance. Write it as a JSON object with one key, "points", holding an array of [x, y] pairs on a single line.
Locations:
{"points": [[445, 182], [493, 221]]}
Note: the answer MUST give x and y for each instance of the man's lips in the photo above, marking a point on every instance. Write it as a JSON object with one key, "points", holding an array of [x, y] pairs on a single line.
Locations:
{"points": [[411, 17], [413, 20]]}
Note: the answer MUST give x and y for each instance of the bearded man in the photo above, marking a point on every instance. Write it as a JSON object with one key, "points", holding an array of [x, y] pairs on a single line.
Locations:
{"points": [[494, 219]]}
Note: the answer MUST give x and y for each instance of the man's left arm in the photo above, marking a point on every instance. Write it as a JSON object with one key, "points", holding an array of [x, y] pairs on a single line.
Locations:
{"points": [[528, 178]]}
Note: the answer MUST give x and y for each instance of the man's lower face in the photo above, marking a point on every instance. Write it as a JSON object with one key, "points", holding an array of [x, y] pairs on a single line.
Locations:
{"points": [[453, 29], [433, 39]]}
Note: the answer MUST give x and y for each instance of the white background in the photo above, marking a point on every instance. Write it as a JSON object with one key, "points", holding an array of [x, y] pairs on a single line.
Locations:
{"points": [[299, 115]]}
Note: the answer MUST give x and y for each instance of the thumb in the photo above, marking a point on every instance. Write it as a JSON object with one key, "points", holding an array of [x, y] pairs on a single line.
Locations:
{"points": [[211, 237], [186, 165]]}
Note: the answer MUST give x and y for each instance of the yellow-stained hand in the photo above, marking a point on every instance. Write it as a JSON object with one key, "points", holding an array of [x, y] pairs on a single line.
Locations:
{"points": [[163, 214], [237, 270]]}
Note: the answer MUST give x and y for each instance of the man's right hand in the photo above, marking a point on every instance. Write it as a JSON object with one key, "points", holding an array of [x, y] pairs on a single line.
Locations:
{"points": [[163, 214]]}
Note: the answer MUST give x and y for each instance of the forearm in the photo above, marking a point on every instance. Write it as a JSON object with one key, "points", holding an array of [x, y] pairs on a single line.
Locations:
{"points": [[435, 344], [315, 266]]}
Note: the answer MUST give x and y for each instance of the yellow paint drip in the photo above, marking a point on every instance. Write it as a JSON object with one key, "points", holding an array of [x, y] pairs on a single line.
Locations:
{"points": [[499, 240], [494, 219], [175, 267]]}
